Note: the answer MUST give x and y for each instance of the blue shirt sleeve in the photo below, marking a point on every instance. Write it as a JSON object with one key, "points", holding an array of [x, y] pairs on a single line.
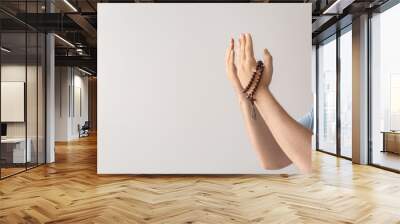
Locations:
{"points": [[308, 120]]}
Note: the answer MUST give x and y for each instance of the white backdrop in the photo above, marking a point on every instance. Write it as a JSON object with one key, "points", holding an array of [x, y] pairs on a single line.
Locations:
{"points": [[165, 105], [12, 101]]}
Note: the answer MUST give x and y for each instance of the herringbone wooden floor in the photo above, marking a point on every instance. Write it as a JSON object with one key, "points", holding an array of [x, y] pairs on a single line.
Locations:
{"points": [[70, 191]]}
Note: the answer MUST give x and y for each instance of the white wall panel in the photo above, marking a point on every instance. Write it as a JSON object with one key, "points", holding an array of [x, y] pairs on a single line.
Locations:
{"points": [[164, 102]]}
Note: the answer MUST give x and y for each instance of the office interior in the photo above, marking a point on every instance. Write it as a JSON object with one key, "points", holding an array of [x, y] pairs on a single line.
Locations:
{"points": [[23, 100], [27, 60], [334, 91], [48, 85]]}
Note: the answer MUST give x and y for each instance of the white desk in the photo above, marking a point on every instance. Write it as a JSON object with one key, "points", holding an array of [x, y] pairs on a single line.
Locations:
{"points": [[18, 149]]}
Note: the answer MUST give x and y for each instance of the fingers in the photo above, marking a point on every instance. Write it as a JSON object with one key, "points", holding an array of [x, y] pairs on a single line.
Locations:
{"points": [[267, 57], [230, 65], [242, 41], [232, 56], [235, 79], [228, 52], [239, 53], [249, 46]]}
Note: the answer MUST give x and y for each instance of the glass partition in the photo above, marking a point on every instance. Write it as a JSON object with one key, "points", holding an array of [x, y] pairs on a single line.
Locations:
{"points": [[41, 97], [31, 100], [31, 86], [14, 155], [327, 96], [22, 77]]}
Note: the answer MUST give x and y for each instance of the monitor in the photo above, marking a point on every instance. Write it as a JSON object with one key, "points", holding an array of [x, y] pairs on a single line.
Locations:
{"points": [[3, 129]]}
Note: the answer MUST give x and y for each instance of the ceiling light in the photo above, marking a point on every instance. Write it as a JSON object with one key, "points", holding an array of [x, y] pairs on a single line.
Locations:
{"points": [[65, 41], [337, 7], [5, 50], [84, 71], [70, 5], [80, 51]]}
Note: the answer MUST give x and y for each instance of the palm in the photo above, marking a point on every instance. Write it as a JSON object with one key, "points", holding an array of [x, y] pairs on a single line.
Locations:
{"points": [[241, 72]]}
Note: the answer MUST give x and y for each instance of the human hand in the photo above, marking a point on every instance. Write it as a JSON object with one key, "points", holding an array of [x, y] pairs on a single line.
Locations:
{"points": [[247, 63], [231, 69]]}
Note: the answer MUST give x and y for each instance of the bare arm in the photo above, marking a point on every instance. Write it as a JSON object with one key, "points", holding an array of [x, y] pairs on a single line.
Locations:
{"points": [[291, 137], [269, 152]]}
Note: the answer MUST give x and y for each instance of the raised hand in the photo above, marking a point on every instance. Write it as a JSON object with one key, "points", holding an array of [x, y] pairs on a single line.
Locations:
{"points": [[278, 139], [246, 63]]}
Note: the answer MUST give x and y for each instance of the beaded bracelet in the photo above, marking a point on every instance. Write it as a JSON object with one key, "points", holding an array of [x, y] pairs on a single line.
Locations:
{"points": [[252, 86]]}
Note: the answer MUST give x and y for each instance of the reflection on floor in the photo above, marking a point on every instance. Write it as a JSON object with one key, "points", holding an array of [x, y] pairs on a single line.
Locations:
{"points": [[70, 191], [386, 159], [346, 152], [8, 170]]}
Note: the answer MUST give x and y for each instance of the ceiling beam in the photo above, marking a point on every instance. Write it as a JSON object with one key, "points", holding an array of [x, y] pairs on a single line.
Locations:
{"points": [[84, 24], [82, 61], [337, 7]]}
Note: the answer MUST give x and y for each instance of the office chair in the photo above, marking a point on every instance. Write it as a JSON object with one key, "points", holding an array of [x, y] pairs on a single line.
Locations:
{"points": [[84, 130]]}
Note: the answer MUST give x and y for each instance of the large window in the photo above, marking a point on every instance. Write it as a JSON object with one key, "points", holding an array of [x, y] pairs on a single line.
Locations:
{"points": [[327, 96], [346, 93], [385, 89], [335, 94]]}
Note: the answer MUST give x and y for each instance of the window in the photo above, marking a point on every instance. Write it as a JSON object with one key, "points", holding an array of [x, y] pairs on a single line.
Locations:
{"points": [[385, 89], [346, 93], [327, 96], [334, 106]]}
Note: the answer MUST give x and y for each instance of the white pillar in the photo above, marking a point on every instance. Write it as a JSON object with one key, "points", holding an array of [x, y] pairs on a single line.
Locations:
{"points": [[360, 90], [50, 99], [50, 92], [63, 103]]}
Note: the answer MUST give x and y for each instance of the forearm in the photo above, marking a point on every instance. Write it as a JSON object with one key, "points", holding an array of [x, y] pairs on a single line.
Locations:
{"points": [[270, 154], [293, 138]]}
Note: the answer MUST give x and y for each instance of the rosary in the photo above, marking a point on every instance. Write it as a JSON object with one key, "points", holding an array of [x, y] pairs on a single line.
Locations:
{"points": [[252, 86]]}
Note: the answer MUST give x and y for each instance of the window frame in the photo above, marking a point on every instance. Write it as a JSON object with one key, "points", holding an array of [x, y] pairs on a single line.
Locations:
{"points": [[381, 9], [334, 37]]}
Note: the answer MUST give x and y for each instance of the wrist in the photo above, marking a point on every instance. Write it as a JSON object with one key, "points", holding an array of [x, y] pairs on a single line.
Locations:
{"points": [[242, 98], [261, 91]]}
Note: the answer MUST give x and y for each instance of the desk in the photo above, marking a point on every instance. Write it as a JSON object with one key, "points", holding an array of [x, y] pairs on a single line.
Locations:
{"points": [[13, 150], [391, 141]]}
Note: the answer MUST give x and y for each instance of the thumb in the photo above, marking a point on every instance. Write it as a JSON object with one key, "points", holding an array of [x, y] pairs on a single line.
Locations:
{"points": [[267, 58]]}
